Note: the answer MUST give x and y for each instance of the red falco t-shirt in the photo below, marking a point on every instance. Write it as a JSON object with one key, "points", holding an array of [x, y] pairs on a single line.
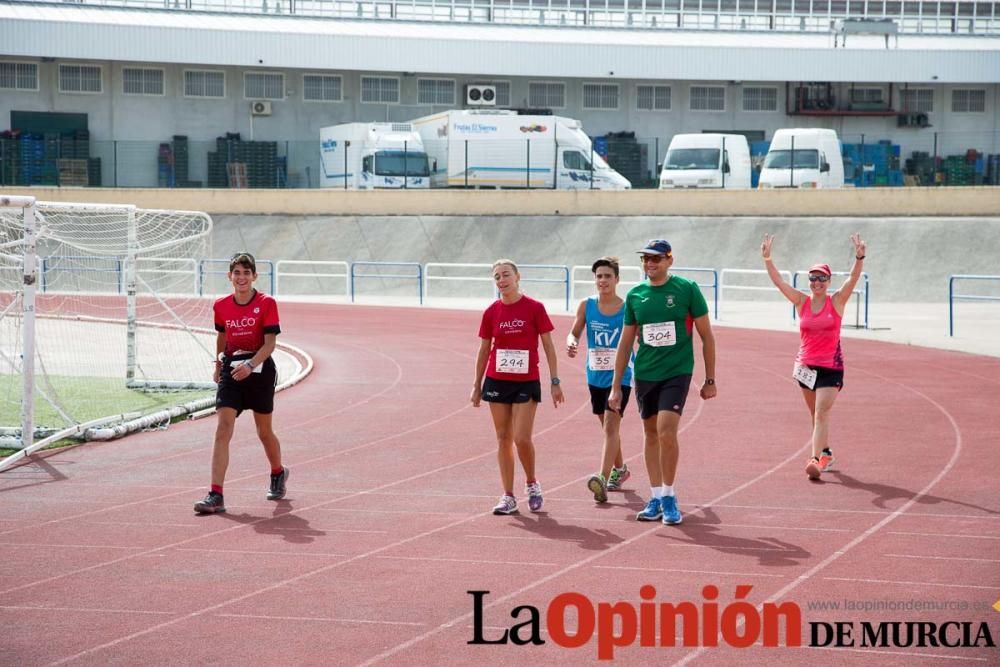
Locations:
{"points": [[515, 329], [246, 324]]}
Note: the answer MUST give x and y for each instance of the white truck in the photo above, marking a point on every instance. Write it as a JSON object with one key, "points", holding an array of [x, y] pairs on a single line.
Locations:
{"points": [[501, 149], [366, 156], [707, 160], [803, 158]]}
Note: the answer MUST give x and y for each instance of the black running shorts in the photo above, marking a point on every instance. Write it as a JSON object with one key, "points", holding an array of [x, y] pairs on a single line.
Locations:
{"points": [[599, 399], [663, 395], [255, 393], [827, 377], [509, 391]]}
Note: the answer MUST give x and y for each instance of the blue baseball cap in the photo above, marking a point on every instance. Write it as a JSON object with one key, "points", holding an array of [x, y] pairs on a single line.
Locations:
{"points": [[656, 247]]}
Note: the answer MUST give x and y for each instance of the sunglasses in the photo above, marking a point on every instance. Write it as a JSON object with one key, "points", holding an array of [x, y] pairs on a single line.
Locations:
{"points": [[652, 259], [821, 279]]}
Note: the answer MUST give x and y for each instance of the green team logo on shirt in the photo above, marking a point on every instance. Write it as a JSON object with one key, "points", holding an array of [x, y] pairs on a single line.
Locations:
{"points": [[670, 301]]}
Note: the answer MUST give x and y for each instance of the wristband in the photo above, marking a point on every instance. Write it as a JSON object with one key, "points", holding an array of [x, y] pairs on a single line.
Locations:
{"points": [[859, 258], [571, 340], [710, 381], [767, 259]]}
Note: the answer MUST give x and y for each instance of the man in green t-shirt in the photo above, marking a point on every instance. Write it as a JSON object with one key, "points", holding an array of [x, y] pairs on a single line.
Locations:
{"points": [[664, 311]]}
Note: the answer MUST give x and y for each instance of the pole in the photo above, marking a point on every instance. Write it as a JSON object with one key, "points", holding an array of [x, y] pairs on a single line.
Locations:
{"points": [[791, 166], [724, 163], [466, 170], [29, 278], [347, 148], [527, 167], [130, 291], [406, 167], [863, 161]]}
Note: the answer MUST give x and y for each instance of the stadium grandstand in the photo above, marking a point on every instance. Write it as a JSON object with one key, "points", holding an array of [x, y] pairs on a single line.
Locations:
{"points": [[134, 93]]}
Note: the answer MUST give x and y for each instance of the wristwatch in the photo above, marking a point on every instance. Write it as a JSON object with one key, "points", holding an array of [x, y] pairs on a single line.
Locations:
{"points": [[710, 381], [249, 364], [555, 382]]}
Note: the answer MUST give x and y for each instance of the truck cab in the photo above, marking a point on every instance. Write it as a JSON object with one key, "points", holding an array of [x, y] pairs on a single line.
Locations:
{"points": [[706, 161], [803, 158], [369, 156]]}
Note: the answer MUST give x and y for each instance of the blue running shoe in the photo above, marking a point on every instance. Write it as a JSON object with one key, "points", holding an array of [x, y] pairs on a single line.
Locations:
{"points": [[652, 512], [671, 515]]}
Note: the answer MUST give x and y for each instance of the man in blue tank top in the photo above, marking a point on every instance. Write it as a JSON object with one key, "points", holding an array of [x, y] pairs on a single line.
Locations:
{"points": [[602, 316]]}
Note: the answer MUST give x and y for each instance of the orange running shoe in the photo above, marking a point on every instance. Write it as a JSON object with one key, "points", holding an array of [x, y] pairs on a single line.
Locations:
{"points": [[826, 461]]}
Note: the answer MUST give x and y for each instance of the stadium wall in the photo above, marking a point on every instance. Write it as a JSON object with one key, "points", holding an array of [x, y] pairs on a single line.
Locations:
{"points": [[849, 202]]}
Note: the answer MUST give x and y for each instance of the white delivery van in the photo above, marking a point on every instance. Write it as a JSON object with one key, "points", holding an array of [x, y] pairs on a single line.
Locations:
{"points": [[803, 158], [500, 149], [707, 161], [367, 156]]}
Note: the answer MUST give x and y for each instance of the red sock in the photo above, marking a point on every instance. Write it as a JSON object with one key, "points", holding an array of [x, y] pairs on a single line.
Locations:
{"points": [[531, 481], [509, 493], [217, 488], [277, 471]]}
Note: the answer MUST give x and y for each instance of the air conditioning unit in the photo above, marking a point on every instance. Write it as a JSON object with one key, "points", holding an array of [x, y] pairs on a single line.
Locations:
{"points": [[920, 120], [260, 108], [480, 96]]}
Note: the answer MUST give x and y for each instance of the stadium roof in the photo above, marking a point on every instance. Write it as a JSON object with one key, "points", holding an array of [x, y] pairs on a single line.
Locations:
{"points": [[130, 35]]}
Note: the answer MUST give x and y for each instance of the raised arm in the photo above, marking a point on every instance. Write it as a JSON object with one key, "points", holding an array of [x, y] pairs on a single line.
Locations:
{"points": [[843, 295], [573, 339], [792, 294]]}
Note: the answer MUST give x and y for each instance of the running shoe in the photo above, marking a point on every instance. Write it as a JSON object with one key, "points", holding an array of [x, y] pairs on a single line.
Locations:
{"points": [[671, 515], [618, 477], [812, 468], [652, 512], [826, 460], [598, 487], [212, 504], [277, 490], [507, 505], [534, 491]]}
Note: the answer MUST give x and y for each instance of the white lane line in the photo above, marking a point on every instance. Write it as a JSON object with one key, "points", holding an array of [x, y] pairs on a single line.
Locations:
{"points": [[89, 610], [974, 560], [930, 515], [940, 656], [675, 569], [243, 552], [50, 545], [320, 619], [475, 561], [971, 537]]}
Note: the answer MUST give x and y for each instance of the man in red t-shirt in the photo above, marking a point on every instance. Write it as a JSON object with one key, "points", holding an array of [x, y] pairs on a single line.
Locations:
{"points": [[247, 325]]}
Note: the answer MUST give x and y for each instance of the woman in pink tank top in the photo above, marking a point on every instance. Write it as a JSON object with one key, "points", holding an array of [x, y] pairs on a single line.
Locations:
{"points": [[819, 365]]}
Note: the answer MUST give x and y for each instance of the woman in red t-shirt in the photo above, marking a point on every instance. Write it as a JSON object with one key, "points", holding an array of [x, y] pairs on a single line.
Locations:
{"points": [[819, 365], [508, 357]]}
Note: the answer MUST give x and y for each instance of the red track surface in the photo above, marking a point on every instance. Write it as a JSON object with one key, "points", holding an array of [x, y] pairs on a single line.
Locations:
{"points": [[387, 526]]}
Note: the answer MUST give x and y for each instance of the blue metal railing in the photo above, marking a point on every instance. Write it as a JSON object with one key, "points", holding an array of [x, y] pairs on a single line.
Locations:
{"points": [[265, 267], [952, 297], [53, 263], [714, 284], [419, 277], [863, 292], [565, 280]]}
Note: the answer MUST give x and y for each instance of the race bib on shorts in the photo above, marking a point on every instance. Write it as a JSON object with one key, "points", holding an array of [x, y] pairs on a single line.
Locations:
{"points": [[805, 375], [601, 358], [661, 334], [512, 361]]}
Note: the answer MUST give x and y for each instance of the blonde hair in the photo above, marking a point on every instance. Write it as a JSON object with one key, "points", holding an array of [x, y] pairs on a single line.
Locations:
{"points": [[508, 262]]}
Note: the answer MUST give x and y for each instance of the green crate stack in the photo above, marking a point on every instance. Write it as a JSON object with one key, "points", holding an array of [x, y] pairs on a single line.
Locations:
{"points": [[957, 170]]}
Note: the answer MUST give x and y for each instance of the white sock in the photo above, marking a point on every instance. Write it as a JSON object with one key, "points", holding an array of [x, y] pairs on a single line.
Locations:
{"points": [[667, 490], [656, 491]]}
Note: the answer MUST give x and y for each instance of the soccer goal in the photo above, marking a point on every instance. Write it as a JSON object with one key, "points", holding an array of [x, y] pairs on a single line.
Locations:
{"points": [[101, 314]]}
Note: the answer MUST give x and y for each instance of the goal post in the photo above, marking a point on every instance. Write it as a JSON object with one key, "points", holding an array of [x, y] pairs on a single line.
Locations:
{"points": [[99, 305]]}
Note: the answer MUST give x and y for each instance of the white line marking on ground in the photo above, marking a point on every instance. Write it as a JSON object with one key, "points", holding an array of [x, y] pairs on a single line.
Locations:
{"points": [[89, 610], [242, 552], [976, 560], [320, 619], [941, 656], [675, 569], [49, 545], [476, 561], [931, 515], [971, 537]]}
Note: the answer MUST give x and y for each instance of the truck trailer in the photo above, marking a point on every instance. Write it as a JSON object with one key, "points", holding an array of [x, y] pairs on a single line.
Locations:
{"points": [[501, 149]]}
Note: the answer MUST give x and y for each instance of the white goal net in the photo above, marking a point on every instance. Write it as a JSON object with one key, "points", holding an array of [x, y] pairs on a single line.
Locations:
{"points": [[106, 301]]}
